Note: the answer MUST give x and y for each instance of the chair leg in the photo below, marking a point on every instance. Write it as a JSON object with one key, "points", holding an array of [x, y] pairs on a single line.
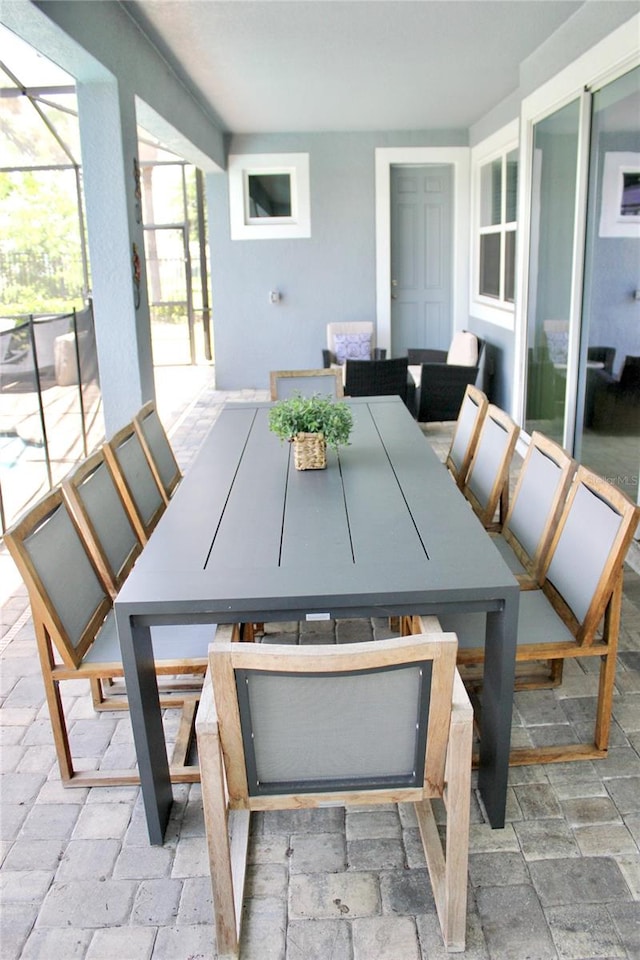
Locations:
{"points": [[179, 770], [227, 908], [608, 667], [185, 732], [54, 703], [504, 503], [448, 870]]}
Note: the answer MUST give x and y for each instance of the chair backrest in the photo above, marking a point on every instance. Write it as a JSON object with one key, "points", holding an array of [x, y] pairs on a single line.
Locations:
{"points": [[372, 378], [604, 355], [489, 469], [288, 383], [557, 337], [538, 499], [466, 432], [355, 339], [159, 451], [66, 592], [102, 518], [136, 481], [587, 551], [336, 720]]}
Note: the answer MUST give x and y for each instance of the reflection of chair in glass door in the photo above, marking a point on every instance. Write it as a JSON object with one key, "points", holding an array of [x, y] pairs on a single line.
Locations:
{"points": [[616, 404]]}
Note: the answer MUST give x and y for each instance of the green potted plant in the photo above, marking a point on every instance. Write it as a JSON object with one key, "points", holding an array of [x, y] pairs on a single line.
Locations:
{"points": [[310, 423]]}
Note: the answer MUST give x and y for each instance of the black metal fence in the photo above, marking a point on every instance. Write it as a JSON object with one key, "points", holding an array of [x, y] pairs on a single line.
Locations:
{"points": [[50, 404]]}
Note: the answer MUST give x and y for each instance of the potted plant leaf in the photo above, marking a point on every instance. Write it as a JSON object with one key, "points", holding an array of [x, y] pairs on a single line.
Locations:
{"points": [[310, 423]]}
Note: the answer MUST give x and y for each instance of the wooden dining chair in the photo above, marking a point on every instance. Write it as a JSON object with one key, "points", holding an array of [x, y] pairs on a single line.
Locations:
{"points": [[141, 492], [110, 537], [94, 497], [158, 449], [77, 639], [535, 508], [288, 383], [472, 412], [577, 612], [486, 485], [288, 727]]}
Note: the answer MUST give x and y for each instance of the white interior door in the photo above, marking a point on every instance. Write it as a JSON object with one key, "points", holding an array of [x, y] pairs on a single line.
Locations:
{"points": [[421, 256]]}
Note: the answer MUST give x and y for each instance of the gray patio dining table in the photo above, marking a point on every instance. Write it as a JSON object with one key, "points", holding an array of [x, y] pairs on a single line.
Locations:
{"points": [[382, 531]]}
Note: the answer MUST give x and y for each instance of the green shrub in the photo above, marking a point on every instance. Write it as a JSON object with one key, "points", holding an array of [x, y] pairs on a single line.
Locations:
{"points": [[316, 414]]}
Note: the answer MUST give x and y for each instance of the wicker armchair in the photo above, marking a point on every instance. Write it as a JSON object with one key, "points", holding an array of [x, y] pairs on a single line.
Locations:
{"points": [[372, 378], [442, 384]]}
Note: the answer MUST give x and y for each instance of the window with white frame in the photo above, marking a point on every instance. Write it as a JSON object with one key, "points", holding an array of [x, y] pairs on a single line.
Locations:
{"points": [[495, 175], [269, 196]]}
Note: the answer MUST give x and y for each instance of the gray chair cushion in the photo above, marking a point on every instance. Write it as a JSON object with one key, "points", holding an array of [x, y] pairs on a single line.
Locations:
{"points": [[169, 642], [537, 622]]}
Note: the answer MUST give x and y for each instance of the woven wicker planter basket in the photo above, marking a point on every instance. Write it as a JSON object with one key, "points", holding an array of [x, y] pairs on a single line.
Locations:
{"points": [[309, 451]]}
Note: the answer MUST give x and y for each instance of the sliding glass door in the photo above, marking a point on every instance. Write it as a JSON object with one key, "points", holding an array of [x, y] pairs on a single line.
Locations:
{"points": [[583, 319], [551, 263], [608, 411]]}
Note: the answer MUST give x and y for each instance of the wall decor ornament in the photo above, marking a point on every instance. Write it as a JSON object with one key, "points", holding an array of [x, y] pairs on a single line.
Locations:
{"points": [[137, 192], [137, 275]]}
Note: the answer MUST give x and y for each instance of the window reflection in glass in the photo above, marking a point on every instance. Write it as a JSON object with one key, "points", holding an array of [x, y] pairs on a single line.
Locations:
{"points": [[509, 265], [269, 195], [490, 265], [512, 187], [491, 193]]}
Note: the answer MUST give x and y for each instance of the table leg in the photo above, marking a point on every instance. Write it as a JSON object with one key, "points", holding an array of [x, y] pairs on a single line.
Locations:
{"points": [[497, 707], [146, 721]]}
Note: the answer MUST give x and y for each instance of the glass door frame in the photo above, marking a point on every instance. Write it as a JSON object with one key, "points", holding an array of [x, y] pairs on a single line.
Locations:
{"points": [[578, 81]]}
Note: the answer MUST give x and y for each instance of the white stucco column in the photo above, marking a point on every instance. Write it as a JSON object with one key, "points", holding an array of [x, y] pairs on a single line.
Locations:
{"points": [[109, 145]]}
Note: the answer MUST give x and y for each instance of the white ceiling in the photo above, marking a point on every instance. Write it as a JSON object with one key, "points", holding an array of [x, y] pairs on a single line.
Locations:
{"points": [[349, 65]]}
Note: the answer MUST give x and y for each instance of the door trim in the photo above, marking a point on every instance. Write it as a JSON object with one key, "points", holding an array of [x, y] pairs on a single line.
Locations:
{"points": [[385, 158]]}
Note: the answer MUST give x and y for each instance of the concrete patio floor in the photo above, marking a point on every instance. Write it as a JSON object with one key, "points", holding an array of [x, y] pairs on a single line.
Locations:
{"points": [[78, 878]]}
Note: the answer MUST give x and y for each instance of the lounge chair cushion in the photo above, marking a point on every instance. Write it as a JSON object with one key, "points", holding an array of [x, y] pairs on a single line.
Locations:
{"points": [[463, 351], [352, 346]]}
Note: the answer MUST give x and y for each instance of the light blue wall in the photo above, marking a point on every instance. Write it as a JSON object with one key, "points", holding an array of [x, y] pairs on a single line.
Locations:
{"points": [[330, 276]]}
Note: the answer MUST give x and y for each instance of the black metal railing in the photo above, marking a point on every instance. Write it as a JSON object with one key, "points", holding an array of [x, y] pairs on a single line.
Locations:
{"points": [[50, 404]]}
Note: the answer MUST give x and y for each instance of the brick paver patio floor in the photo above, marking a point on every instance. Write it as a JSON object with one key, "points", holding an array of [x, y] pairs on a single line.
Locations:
{"points": [[78, 878]]}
